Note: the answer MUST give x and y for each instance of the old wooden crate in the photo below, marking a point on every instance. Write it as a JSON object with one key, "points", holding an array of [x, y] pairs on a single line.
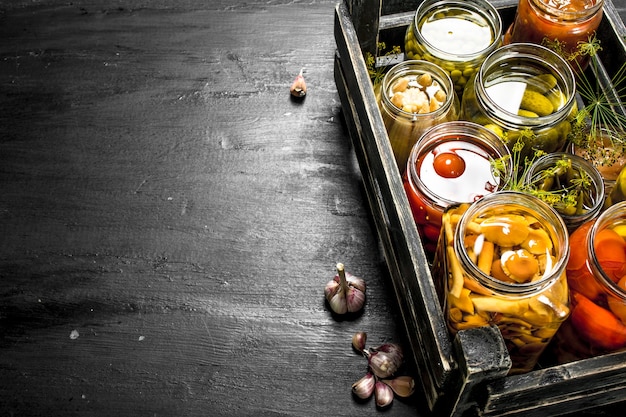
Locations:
{"points": [[467, 375]]}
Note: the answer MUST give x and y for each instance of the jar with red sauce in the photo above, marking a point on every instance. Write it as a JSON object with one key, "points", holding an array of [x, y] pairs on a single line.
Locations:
{"points": [[451, 163], [565, 23], [596, 274]]}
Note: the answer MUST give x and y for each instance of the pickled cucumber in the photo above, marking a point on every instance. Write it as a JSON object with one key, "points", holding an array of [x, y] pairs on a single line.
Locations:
{"points": [[537, 103], [542, 83], [526, 113]]}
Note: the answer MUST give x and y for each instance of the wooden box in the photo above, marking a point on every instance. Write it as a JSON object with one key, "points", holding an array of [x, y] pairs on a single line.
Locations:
{"points": [[466, 375]]}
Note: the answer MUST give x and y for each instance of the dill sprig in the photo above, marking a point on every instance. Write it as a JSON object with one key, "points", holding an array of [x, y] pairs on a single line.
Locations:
{"points": [[377, 68], [599, 126]]}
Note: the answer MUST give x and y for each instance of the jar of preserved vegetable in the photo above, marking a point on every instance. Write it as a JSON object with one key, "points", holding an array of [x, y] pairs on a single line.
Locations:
{"points": [[570, 184], [596, 274], [563, 25], [452, 163], [525, 93], [504, 258], [415, 95], [604, 148], [618, 190], [456, 35]]}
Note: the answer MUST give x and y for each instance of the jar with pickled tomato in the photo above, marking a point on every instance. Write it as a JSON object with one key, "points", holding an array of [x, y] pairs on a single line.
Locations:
{"points": [[563, 24], [525, 93], [596, 274], [503, 259], [456, 35], [451, 163], [570, 184], [415, 95]]}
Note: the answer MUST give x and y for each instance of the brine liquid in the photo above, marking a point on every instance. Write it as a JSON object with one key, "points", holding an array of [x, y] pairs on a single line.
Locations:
{"points": [[457, 31], [476, 181], [507, 92]]}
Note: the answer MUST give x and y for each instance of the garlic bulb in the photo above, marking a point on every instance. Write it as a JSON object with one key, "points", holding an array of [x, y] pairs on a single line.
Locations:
{"points": [[345, 292], [385, 360], [380, 380]]}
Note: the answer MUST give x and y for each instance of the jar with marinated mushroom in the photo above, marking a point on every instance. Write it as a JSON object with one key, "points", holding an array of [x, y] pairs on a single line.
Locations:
{"points": [[415, 95], [503, 259]]}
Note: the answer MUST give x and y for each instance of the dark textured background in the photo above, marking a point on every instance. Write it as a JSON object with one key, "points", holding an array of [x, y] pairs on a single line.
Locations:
{"points": [[162, 196]]}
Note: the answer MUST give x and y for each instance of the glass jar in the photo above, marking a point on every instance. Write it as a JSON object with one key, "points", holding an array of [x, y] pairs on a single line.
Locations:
{"points": [[526, 93], [504, 258], [415, 95], [605, 148], [451, 163], [560, 24], [456, 35], [596, 273], [618, 190], [570, 184]]}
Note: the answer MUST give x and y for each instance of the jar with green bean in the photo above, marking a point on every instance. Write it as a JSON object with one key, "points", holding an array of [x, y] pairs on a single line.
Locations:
{"points": [[570, 184]]}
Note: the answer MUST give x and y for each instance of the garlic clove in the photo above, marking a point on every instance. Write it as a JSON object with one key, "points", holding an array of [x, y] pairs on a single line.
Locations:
{"points": [[298, 87], [383, 394], [338, 303], [354, 300], [364, 387], [402, 386], [358, 341]]}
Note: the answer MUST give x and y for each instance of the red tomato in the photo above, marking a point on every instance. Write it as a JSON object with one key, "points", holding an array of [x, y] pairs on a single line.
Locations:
{"points": [[449, 165]]}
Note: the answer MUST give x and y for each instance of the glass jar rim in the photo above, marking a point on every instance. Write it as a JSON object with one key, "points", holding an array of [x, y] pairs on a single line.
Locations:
{"points": [[413, 67], [519, 203], [482, 7], [541, 57]]}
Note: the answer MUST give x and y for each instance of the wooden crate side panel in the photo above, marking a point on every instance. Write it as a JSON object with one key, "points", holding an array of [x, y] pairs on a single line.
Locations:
{"points": [[407, 263], [559, 389]]}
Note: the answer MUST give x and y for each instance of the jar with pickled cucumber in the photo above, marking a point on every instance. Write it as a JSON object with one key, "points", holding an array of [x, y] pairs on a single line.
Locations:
{"points": [[565, 24], [456, 35], [525, 93], [570, 184], [414, 96], [452, 163], [503, 259], [618, 190], [596, 273]]}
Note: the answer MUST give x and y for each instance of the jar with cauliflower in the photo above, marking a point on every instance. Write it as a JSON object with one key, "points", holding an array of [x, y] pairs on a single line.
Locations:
{"points": [[415, 95]]}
